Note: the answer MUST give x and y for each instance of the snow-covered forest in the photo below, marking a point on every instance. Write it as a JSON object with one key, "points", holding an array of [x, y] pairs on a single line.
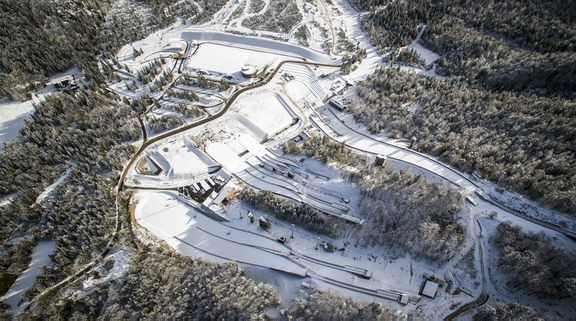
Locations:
{"points": [[498, 104], [520, 45], [525, 143], [402, 210]]}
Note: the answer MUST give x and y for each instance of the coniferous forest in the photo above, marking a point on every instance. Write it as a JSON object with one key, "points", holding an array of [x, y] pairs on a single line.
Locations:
{"points": [[501, 102]]}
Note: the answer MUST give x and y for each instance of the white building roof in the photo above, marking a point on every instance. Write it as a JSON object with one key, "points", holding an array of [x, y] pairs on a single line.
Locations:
{"points": [[205, 185], [223, 193], [430, 289]]}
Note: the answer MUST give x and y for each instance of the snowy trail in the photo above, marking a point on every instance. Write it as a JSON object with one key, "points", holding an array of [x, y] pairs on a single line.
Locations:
{"points": [[428, 55]]}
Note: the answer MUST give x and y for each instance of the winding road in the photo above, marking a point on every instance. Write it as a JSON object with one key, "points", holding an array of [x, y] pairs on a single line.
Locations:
{"points": [[146, 143], [334, 131]]}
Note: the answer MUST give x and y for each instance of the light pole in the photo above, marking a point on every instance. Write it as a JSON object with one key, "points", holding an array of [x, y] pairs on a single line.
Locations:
{"points": [[292, 236]]}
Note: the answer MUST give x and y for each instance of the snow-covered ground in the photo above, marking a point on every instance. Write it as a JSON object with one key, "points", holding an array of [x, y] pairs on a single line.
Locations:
{"points": [[267, 111], [228, 60], [192, 233], [245, 142], [428, 55], [180, 162], [342, 127], [12, 116], [256, 116], [40, 257]]}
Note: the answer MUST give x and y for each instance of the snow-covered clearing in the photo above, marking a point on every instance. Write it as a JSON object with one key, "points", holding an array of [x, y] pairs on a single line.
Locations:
{"points": [[184, 158], [180, 161], [113, 268], [267, 111], [428, 55], [192, 233], [12, 116], [245, 142], [48, 190], [228, 60], [40, 257]]}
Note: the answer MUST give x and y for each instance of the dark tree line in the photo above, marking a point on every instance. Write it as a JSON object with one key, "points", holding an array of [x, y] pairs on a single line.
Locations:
{"points": [[534, 265], [83, 132], [404, 210], [162, 123], [149, 72], [40, 38], [510, 312], [163, 285], [321, 305], [521, 45], [409, 57], [281, 16], [301, 214], [43, 37], [256, 6]]}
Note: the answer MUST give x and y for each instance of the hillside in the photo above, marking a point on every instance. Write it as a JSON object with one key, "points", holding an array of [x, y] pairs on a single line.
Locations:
{"points": [[511, 69]]}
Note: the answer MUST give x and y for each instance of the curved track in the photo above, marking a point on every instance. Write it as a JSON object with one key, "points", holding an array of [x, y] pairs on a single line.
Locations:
{"points": [[118, 227], [570, 234], [213, 117]]}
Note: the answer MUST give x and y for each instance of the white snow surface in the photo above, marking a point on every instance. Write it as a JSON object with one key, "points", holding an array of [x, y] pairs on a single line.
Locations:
{"points": [[193, 234], [235, 141], [256, 44], [229, 60], [121, 259], [40, 258], [189, 231], [428, 55], [12, 116], [266, 111]]}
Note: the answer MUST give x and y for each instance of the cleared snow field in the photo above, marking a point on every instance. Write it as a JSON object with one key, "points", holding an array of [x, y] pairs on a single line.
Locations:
{"points": [[298, 91], [13, 113], [188, 231], [40, 257], [193, 234], [268, 111], [184, 158], [428, 55], [229, 60], [12, 116], [224, 155]]}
